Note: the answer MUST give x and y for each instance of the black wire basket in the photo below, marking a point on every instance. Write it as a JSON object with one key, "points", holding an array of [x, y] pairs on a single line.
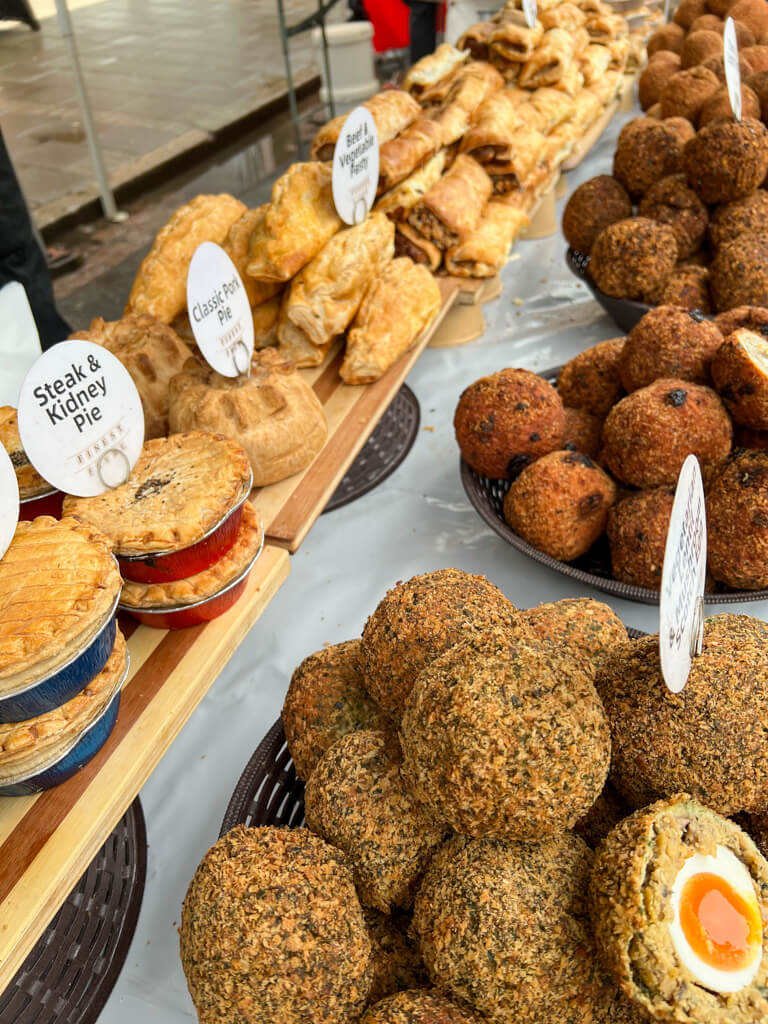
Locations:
{"points": [[625, 313]]}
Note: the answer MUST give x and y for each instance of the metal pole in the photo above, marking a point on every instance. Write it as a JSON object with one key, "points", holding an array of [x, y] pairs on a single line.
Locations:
{"points": [[289, 77], [107, 199], [329, 84]]}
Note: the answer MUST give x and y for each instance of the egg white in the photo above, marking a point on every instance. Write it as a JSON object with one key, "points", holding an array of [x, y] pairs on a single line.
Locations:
{"points": [[730, 869]]}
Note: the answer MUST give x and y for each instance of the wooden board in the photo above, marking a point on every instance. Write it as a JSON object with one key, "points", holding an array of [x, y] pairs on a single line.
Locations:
{"points": [[289, 508], [461, 324], [48, 840]]}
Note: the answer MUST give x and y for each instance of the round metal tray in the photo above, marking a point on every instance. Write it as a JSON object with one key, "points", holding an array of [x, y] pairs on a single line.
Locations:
{"points": [[385, 449], [594, 567], [68, 976]]}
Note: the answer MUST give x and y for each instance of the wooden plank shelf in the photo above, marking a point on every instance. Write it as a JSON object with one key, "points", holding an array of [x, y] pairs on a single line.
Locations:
{"points": [[48, 840]]}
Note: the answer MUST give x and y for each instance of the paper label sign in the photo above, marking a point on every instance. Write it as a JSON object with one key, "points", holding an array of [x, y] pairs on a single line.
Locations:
{"points": [[732, 72], [80, 419], [530, 10], [9, 501], [682, 578], [356, 167], [219, 311]]}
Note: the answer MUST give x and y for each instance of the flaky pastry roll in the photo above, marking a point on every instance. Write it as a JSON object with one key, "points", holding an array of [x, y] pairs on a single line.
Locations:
{"points": [[567, 16], [571, 82], [299, 221], [553, 106], [453, 206], [593, 62], [607, 87], [513, 40], [475, 82], [397, 308], [411, 243], [401, 156], [324, 297], [524, 154], [548, 64], [586, 108], [477, 39], [392, 111], [398, 202], [493, 125], [433, 68], [603, 28], [484, 251]]}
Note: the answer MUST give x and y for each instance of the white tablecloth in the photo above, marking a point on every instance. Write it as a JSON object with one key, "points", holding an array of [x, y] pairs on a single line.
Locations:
{"points": [[418, 520]]}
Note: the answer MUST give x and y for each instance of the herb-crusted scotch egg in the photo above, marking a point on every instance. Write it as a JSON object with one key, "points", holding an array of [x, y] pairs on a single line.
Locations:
{"points": [[679, 903], [272, 929]]}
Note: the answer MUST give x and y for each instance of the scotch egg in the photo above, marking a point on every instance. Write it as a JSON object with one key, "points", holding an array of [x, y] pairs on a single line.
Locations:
{"points": [[679, 905]]}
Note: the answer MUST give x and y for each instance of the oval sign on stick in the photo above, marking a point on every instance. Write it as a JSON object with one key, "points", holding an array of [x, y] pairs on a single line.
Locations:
{"points": [[356, 167], [219, 311], [9, 501], [681, 603], [731, 62], [80, 419]]}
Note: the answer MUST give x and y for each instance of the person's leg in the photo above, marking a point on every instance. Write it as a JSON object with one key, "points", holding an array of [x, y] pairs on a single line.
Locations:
{"points": [[423, 26], [21, 258]]}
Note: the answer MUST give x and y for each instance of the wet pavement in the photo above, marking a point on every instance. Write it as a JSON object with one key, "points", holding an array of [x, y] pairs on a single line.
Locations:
{"points": [[164, 77]]}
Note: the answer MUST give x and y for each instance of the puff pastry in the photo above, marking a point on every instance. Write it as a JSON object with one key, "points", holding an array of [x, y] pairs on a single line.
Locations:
{"points": [[400, 200], [29, 480], [29, 747], [203, 584], [513, 40], [58, 583], [619, 49], [606, 88], [495, 122], [410, 243], [567, 16], [453, 206], [593, 6], [474, 83], [160, 287], [586, 108], [484, 252], [604, 28], [549, 62], [151, 352], [433, 68], [294, 345], [301, 218], [400, 304], [593, 62], [402, 156], [553, 106], [265, 319], [571, 82], [477, 40], [322, 300], [525, 153], [237, 245], [181, 487], [274, 413], [392, 111]]}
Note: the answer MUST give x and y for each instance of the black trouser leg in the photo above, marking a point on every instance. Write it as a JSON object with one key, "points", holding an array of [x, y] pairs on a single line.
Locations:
{"points": [[423, 26], [21, 258]]}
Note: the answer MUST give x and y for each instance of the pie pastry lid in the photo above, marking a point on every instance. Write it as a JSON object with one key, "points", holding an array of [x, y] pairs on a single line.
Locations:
{"points": [[209, 608], [56, 761], [177, 564], [50, 683]]}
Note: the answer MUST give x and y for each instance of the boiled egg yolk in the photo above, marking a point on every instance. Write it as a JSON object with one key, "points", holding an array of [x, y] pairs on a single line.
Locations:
{"points": [[717, 929]]}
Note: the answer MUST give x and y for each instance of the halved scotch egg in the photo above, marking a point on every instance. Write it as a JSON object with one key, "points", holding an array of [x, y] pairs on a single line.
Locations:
{"points": [[679, 903], [717, 929]]}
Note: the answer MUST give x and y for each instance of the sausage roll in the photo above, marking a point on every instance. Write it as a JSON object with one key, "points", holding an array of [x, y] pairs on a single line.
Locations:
{"points": [[524, 154], [401, 156], [453, 206], [567, 16], [604, 28], [607, 88], [513, 40], [484, 251], [477, 40], [494, 124], [475, 82], [392, 111], [433, 68], [619, 50], [324, 297], [552, 57], [398, 203], [409, 242], [398, 306], [586, 108], [553, 106], [299, 221], [593, 62], [572, 81]]}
